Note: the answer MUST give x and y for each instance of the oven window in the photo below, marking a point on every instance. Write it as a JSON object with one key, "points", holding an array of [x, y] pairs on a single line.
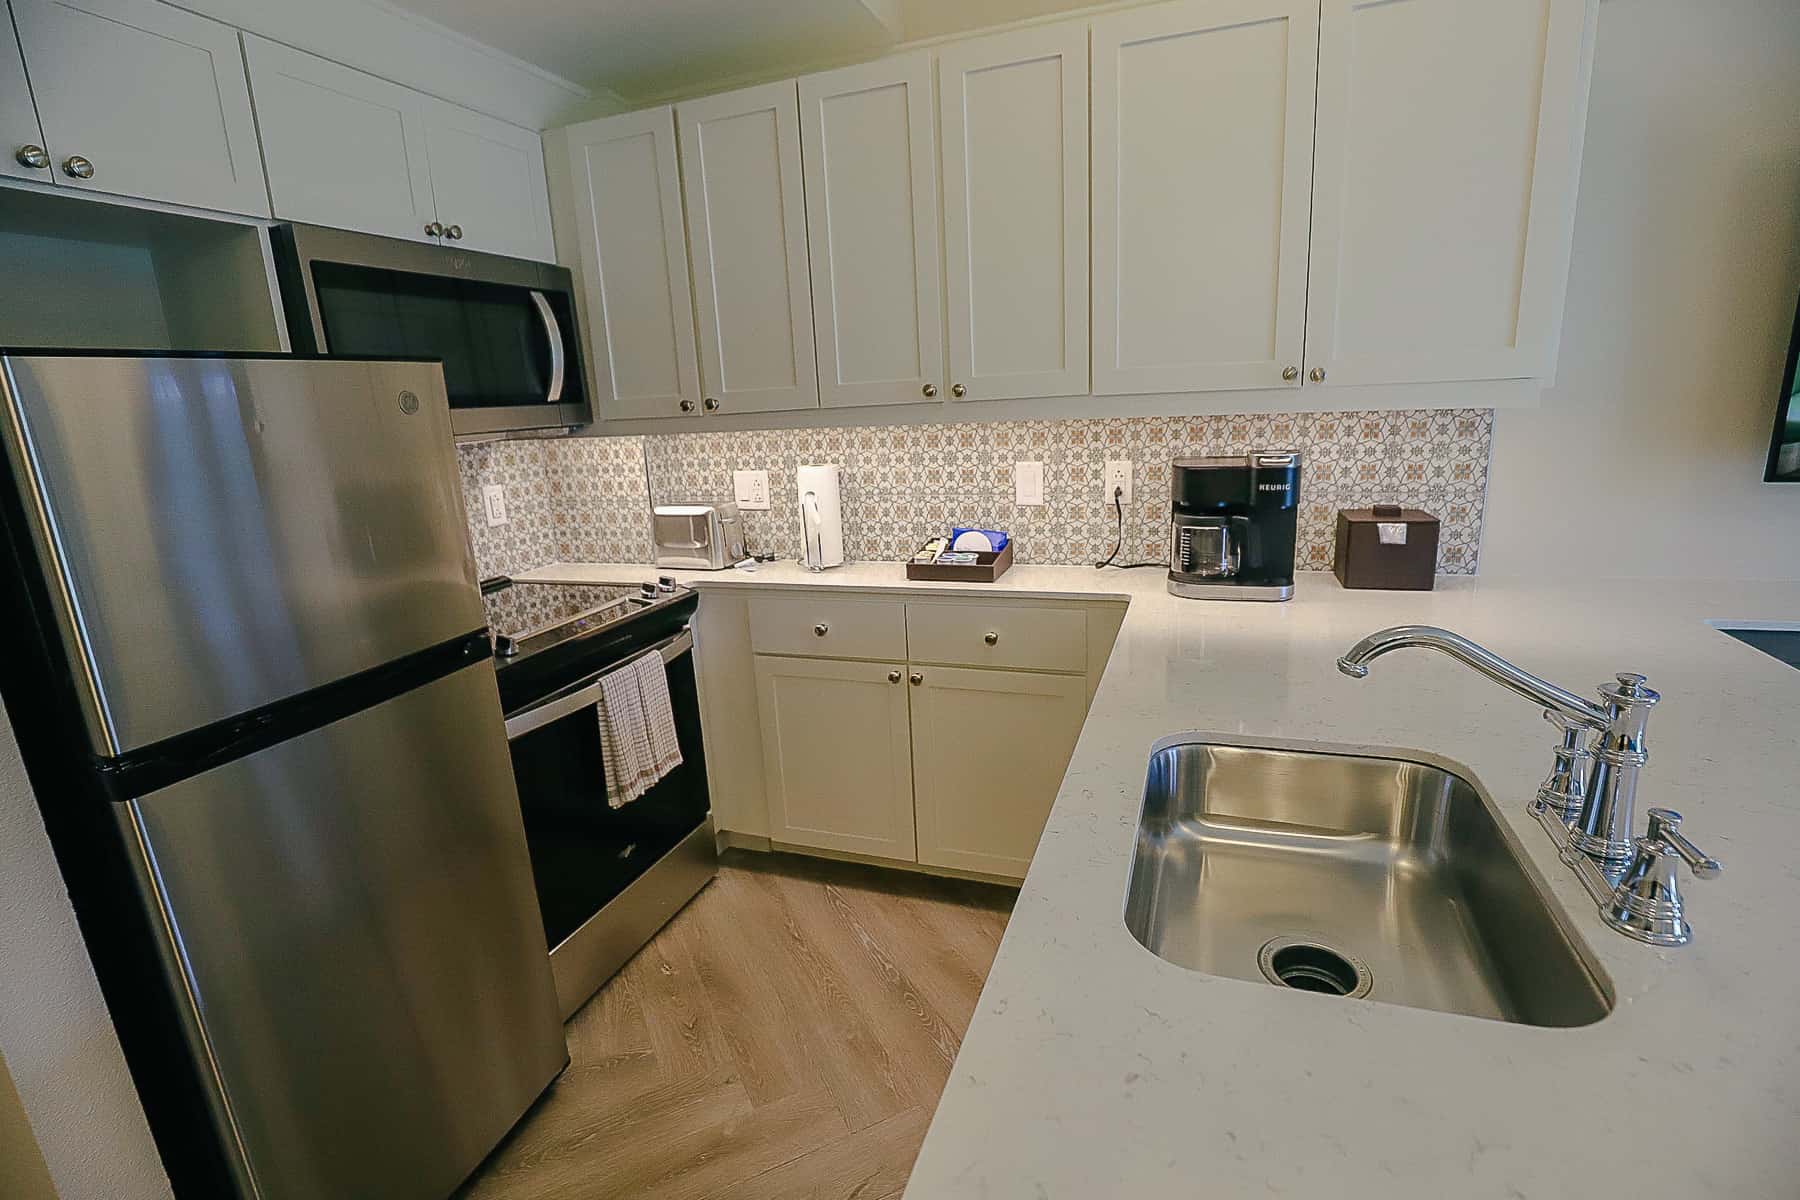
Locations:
{"points": [[490, 337], [583, 853]]}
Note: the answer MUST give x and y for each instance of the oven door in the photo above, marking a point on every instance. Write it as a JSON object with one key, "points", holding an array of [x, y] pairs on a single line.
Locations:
{"points": [[504, 328], [584, 854]]}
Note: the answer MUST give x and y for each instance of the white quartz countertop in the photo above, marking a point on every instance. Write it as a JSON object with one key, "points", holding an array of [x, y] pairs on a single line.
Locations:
{"points": [[1093, 1069]]}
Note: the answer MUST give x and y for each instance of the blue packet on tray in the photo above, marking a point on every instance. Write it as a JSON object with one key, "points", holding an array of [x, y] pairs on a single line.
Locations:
{"points": [[992, 540]]}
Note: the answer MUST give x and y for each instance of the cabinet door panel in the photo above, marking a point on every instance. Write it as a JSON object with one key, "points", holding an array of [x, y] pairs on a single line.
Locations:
{"points": [[837, 755], [1203, 116], [746, 210], [634, 266], [343, 148], [153, 96], [871, 221], [990, 749], [488, 180], [1014, 117], [18, 116], [1448, 142]]}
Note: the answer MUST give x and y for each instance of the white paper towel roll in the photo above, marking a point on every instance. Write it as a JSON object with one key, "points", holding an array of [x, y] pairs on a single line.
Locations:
{"points": [[821, 517]]}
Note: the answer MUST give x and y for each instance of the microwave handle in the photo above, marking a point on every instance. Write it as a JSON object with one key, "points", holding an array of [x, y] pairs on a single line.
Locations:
{"points": [[558, 358]]}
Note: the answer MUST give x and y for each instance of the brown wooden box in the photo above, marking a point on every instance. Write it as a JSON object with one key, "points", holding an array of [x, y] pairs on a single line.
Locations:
{"points": [[990, 566], [1363, 560]]}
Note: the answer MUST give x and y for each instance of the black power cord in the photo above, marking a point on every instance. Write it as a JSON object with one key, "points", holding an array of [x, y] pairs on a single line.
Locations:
{"points": [[1118, 498]]}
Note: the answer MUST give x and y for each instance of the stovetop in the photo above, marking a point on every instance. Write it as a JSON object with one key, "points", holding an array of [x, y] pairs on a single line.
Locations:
{"points": [[547, 634]]}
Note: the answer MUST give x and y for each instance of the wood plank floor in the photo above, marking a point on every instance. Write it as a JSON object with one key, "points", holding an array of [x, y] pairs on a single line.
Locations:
{"points": [[785, 1037]]}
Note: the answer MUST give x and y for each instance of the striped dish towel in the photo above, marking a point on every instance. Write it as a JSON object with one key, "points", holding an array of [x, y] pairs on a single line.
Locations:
{"points": [[625, 747], [659, 714]]}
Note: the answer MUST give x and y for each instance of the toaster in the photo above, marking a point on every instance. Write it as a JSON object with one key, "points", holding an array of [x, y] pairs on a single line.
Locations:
{"points": [[698, 537]]}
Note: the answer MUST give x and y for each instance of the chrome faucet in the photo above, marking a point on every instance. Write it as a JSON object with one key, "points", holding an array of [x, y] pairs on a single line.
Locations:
{"points": [[1590, 819]]}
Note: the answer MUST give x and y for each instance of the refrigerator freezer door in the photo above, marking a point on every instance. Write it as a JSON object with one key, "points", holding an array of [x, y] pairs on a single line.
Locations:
{"points": [[352, 914], [219, 534]]}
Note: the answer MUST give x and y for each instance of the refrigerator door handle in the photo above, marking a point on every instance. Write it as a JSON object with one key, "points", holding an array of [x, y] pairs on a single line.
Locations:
{"points": [[588, 694], [559, 359]]}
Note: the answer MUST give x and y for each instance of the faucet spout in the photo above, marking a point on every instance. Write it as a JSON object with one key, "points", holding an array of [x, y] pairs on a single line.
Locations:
{"points": [[1355, 663]]}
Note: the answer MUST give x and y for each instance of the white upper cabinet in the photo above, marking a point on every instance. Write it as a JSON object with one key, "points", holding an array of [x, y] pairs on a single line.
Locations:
{"points": [[871, 223], [352, 151], [1203, 122], [21, 138], [1448, 145], [488, 180], [634, 267], [746, 213], [1015, 157], [142, 99], [344, 149]]}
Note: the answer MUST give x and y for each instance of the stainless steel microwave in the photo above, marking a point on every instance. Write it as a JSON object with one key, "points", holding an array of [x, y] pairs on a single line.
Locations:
{"points": [[504, 328]]}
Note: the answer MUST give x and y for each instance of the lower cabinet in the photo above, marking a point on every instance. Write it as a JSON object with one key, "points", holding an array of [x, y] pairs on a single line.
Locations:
{"points": [[988, 753], [952, 767], [837, 754]]}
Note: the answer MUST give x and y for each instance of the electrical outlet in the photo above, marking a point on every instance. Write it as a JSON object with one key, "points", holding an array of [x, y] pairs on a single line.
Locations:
{"points": [[1028, 484], [1116, 475], [493, 499], [751, 489]]}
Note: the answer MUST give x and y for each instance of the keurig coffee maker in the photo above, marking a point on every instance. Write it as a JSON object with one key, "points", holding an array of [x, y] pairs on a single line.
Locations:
{"points": [[1232, 526]]}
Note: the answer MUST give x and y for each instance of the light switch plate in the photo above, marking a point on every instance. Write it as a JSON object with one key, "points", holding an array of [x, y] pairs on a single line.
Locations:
{"points": [[493, 499], [1117, 475], [1028, 484], [751, 489]]}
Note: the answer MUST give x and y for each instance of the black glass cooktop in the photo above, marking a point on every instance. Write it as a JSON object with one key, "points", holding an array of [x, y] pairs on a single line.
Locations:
{"points": [[546, 634]]}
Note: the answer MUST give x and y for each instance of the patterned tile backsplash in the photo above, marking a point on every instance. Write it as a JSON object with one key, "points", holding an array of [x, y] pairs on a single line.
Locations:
{"points": [[584, 498]]}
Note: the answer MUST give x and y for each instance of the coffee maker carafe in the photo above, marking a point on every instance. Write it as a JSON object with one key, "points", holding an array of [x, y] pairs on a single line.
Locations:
{"points": [[1232, 526]]}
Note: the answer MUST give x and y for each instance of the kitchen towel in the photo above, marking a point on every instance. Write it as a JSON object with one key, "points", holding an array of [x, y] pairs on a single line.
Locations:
{"points": [[659, 714], [625, 748]]}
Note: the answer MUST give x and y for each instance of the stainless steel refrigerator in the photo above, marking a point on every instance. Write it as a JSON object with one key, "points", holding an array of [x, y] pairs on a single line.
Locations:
{"points": [[257, 703]]}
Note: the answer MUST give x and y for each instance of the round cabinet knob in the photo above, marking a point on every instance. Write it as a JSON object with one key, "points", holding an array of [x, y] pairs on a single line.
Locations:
{"points": [[1290, 373], [687, 406], [893, 677], [434, 230], [712, 404], [453, 232], [1317, 375], [917, 678], [992, 639], [821, 629], [928, 391], [958, 390], [77, 167], [35, 157]]}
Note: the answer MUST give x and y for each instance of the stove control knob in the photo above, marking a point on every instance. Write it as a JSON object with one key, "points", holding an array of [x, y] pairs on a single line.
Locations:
{"points": [[665, 583], [648, 590]]}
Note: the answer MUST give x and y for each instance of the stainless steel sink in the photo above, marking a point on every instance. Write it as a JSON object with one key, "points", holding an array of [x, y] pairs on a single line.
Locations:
{"points": [[1354, 876]]}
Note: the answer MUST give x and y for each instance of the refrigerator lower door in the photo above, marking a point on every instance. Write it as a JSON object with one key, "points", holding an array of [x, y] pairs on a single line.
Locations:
{"points": [[351, 914]]}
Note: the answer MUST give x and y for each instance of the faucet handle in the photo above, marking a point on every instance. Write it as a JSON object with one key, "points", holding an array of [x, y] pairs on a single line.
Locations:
{"points": [[1665, 827], [1564, 789]]}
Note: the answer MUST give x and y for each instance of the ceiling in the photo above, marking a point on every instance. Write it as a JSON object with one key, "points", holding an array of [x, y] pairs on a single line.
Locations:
{"points": [[643, 48], [640, 47]]}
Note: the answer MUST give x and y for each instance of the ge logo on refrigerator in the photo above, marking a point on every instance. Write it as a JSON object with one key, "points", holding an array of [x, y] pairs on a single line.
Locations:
{"points": [[409, 402]]}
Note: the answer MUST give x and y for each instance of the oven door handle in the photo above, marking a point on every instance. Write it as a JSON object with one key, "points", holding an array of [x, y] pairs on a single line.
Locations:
{"points": [[559, 360], [588, 695]]}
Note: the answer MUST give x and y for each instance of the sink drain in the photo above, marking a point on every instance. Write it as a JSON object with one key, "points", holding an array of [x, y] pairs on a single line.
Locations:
{"points": [[1309, 967]]}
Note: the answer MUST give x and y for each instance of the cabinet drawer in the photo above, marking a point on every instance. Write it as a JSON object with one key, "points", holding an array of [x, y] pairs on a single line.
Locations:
{"points": [[827, 627], [982, 635]]}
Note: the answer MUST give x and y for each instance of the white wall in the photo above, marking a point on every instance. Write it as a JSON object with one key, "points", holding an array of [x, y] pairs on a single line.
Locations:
{"points": [[55, 1035], [1645, 459]]}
